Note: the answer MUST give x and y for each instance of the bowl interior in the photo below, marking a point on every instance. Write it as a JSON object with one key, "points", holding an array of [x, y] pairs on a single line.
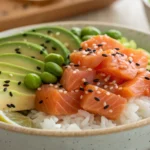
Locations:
{"points": [[141, 38]]}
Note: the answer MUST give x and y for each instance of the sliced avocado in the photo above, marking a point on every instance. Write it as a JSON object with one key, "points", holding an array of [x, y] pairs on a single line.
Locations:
{"points": [[15, 85], [12, 69], [23, 61], [24, 48], [15, 101], [71, 41], [9, 76], [52, 45]]}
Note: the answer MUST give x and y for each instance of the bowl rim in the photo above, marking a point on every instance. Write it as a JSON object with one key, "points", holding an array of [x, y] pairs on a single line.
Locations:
{"points": [[146, 3], [90, 132]]}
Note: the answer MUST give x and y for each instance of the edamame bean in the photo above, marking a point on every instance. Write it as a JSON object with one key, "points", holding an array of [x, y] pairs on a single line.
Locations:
{"points": [[53, 68], [48, 77], [90, 31], [114, 34], [32, 81], [86, 37], [52, 57], [76, 31]]}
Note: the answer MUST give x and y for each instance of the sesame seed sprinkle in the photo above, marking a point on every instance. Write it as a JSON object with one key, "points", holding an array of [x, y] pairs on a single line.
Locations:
{"points": [[85, 83], [83, 80], [76, 91], [81, 89], [105, 107], [61, 91], [107, 93], [110, 110], [41, 101], [98, 92], [96, 80], [98, 83], [96, 98], [19, 83], [7, 81], [86, 92], [11, 94], [105, 104], [65, 92], [81, 96], [5, 89], [147, 78], [51, 85], [10, 74], [89, 69], [6, 84], [105, 86], [137, 64], [57, 33], [90, 90], [104, 55], [39, 89]]}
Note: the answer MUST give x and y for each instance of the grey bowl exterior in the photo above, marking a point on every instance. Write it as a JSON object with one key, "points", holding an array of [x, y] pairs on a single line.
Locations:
{"points": [[135, 136], [147, 9]]}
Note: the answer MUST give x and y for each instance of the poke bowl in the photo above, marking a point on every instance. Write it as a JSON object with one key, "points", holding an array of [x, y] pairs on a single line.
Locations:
{"points": [[74, 86]]}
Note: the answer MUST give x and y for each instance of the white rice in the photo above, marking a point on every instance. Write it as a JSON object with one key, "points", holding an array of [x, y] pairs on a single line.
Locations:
{"points": [[136, 109]]}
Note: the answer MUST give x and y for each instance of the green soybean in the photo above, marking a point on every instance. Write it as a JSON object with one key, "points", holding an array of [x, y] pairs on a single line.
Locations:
{"points": [[52, 57], [48, 77], [90, 31], [76, 31], [53, 68], [32, 81], [86, 37], [114, 34]]}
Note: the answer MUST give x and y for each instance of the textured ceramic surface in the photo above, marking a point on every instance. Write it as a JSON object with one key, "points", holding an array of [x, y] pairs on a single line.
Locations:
{"points": [[134, 136], [147, 9]]}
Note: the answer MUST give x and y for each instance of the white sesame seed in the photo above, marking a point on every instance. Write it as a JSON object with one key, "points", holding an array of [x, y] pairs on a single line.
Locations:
{"points": [[71, 64], [111, 87], [76, 91], [83, 80], [61, 91], [103, 43], [105, 86], [86, 92], [56, 86], [107, 78], [105, 103], [51, 85], [83, 55], [79, 63], [81, 96], [141, 70], [95, 47], [98, 83], [57, 33], [107, 93], [98, 92], [96, 88], [11, 74], [93, 54], [66, 44], [65, 92], [74, 72], [75, 51], [116, 86], [89, 69], [39, 89], [130, 58], [110, 110]]}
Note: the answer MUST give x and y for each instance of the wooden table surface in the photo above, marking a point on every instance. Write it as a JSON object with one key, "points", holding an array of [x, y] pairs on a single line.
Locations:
{"points": [[126, 12]]}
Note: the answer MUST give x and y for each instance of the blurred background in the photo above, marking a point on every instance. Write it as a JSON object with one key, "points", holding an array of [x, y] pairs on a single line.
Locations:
{"points": [[131, 13]]}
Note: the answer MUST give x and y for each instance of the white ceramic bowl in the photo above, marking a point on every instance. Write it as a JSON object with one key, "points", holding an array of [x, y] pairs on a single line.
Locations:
{"points": [[147, 9], [135, 136]]}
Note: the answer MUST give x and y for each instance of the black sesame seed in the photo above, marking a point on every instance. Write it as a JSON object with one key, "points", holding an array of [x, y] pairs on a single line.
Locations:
{"points": [[19, 83], [5, 89], [60, 86], [49, 32], [105, 107], [99, 45], [113, 54], [137, 64], [7, 81], [33, 30], [94, 50], [6, 85], [81, 89], [90, 91], [54, 48], [41, 52], [18, 52], [104, 55], [24, 34], [0, 72], [80, 49], [12, 105], [41, 101], [147, 78], [10, 93], [8, 105], [76, 65], [88, 49], [44, 46], [17, 49], [117, 49], [38, 68], [47, 41], [96, 80], [85, 83], [96, 98], [32, 56], [130, 61], [68, 57]]}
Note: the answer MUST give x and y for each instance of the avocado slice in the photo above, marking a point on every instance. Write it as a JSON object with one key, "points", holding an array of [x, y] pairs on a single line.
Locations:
{"points": [[24, 48], [12, 69], [12, 100], [71, 41], [15, 85], [52, 45], [11, 76], [23, 61]]}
